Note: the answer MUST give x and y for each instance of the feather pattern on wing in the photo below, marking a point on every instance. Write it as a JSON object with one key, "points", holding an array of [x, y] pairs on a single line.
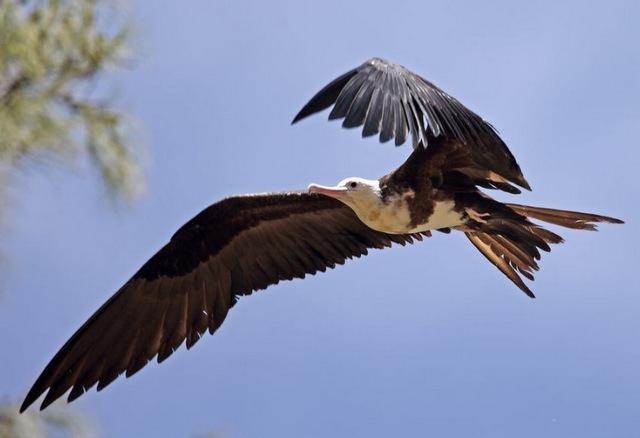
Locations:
{"points": [[392, 101], [232, 248]]}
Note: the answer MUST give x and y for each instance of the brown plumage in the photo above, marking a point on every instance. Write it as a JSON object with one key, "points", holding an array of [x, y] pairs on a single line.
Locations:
{"points": [[455, 152], [514, 253], [232, 248], [246, 243], [505, 236], [389, 99]]}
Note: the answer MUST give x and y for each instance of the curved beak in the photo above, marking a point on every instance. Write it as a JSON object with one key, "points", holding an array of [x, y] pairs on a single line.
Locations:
{"points": [[333, 192]]}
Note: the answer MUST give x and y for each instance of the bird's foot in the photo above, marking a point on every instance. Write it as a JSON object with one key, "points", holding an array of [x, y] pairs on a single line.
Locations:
{"points": [[476, 216]]}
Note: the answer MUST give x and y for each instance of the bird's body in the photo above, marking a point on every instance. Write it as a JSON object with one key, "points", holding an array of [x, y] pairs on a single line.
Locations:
{"points": [[394, 210], [245, 243], [394, 215]]}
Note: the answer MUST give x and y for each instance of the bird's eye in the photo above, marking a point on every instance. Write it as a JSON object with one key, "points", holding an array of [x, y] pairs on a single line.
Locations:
{"points": [[353, 184]]}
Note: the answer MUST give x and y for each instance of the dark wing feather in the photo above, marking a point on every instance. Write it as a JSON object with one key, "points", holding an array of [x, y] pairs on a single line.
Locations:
{"points": [[232, 248], [391, 100], [326, 97], [499, 257], [513, 243], [449, 165]]}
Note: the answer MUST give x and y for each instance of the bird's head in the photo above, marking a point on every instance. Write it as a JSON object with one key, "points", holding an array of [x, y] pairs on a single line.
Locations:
{"points": [[362, 195]]}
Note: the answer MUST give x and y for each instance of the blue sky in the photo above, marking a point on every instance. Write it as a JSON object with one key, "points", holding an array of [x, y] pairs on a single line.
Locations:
{"points": [[414, 341]]}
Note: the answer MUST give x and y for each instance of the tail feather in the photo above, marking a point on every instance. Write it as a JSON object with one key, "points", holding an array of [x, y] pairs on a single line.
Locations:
{"points": [[565, 218], [513, 257], [546, 235], [482, 242], [513, 244], [527, 259], [520, 231]]}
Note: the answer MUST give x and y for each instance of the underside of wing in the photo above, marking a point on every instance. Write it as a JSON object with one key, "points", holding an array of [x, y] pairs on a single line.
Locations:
{"points": [[232, 248]]}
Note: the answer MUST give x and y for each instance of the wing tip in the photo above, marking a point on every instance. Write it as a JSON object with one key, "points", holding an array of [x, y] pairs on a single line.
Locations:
{"points": [[522, 181], [31, 398], [25, 405], [301, 115], [34, 393], [47, 401], [325, 97]]}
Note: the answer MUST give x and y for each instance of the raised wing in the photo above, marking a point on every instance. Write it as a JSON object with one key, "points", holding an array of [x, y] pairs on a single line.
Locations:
{"points": [[391, 100], [232, 248]]}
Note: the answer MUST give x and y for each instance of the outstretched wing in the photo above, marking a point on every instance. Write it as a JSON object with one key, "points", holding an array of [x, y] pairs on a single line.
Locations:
{"points": [[391, 100], [234, 247]]}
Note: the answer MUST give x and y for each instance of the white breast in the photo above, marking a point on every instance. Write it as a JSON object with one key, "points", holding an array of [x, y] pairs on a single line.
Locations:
{"points": [[394, 216], [443, 216]]}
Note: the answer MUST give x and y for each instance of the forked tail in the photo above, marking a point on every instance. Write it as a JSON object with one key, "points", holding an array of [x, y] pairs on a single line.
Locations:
{"points": [[513, 243]]}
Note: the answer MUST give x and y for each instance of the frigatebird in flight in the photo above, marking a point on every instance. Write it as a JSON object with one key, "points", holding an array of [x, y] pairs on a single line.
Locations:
{"points": [[246, 243]]}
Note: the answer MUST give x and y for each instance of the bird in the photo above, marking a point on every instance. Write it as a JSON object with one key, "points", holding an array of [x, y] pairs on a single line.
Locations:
{"points": [[247, 243]]}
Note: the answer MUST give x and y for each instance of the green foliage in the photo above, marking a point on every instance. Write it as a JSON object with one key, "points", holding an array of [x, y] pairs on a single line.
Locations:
{"points": [[51, 55], [59, 422]]}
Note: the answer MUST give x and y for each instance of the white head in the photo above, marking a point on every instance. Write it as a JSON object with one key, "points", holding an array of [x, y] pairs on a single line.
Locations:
{"points": [[362, 195]]}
